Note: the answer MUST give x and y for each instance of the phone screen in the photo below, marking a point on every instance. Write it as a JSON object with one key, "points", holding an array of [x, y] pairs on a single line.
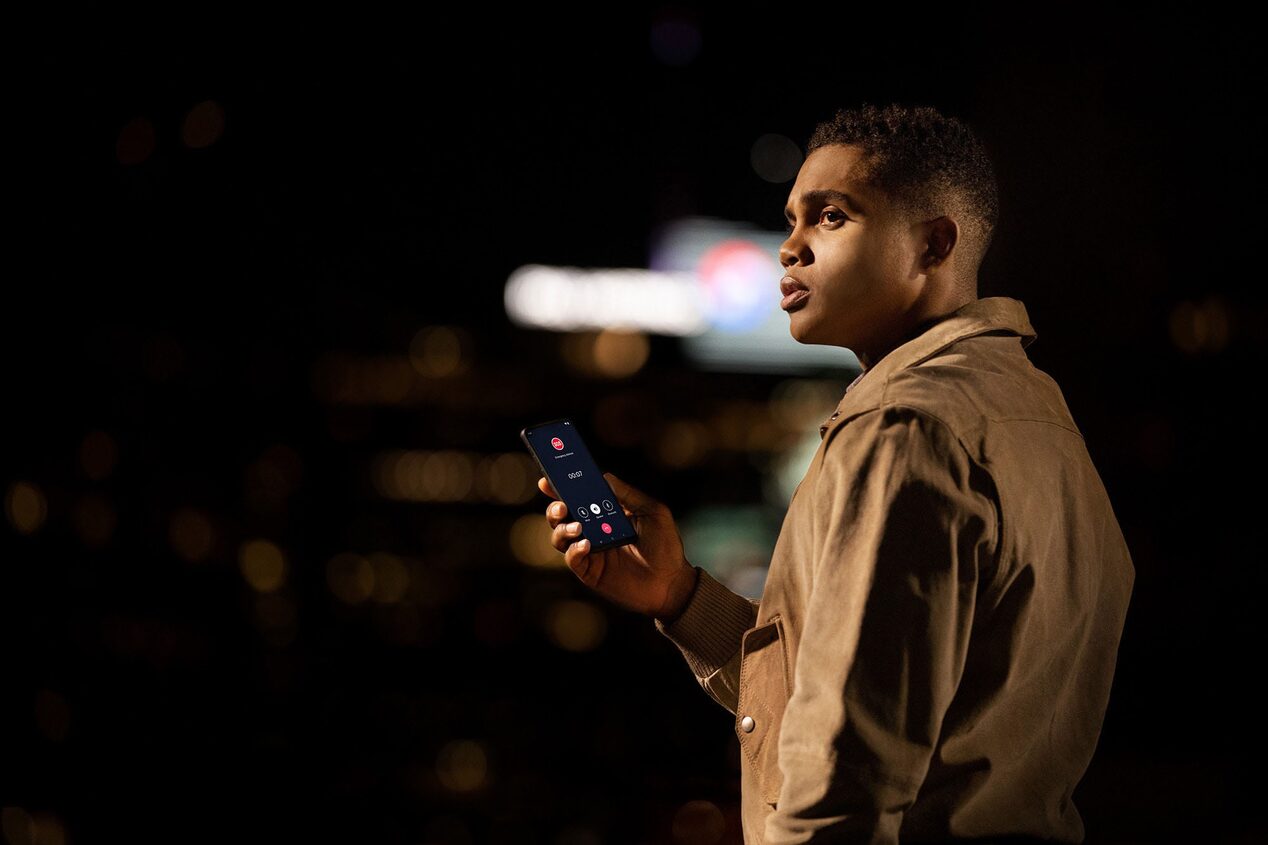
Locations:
{"points": [[567, 464]]}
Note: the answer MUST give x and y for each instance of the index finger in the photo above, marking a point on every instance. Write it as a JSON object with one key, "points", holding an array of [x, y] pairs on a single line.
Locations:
{"points": [[543, 484]]}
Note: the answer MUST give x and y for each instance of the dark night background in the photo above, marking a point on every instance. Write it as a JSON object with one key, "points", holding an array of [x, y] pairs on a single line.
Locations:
{"points": [[232, 248]]}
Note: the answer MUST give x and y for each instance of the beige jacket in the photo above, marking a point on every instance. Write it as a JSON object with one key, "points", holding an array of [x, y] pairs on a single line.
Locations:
{"points": [[932, 654]]}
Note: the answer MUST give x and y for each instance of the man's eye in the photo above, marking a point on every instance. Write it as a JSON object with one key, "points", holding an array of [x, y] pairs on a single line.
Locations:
{"points": [[788, 227], [836, 214]]}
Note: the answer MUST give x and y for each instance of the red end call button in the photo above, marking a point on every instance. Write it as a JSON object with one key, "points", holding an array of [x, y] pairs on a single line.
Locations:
{"points": [[607, 529], [557, 443]]}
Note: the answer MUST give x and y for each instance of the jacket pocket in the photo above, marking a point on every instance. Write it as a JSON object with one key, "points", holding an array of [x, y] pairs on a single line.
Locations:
{"points": [[764, 689]]}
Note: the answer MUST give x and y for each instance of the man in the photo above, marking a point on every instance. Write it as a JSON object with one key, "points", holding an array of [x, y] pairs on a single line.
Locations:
{"points": [[932, 655]]}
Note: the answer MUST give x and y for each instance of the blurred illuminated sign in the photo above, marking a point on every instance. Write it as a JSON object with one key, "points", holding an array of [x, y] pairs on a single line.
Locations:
{"points": [[712, 282]]}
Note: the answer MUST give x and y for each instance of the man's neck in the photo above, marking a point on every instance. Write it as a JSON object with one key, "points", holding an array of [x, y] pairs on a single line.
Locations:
{"points": [[922, 325]]}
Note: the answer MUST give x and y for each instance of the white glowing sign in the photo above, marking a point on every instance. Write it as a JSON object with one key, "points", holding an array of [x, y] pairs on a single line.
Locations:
{"points": [[711, 282]]}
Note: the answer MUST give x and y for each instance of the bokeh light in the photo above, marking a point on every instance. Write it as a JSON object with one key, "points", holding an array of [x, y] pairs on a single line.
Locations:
{"points": [[350, 577], [440, 351], [263, 565], [26, 507], [576, 625], [1198, 328], [699, 823], [191, 534], [203, 125], [462, 765], [94, 519], [530, 541]]}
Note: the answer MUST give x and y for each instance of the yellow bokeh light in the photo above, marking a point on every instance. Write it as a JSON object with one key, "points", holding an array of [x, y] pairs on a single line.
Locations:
{"points": [[25, 506], [1197, 328], [350, 577], [530, 541], [191, 534], [620, 353], [262, 564], [576, 625], [462, 766], [203, 124], [94, 520], [512, 479], [391, 578], [437, 351], [699, 823], [682, 443], [609, 353]]}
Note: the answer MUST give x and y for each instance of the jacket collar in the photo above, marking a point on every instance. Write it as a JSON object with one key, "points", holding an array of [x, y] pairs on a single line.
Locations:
{"points": [[1000, 314]]}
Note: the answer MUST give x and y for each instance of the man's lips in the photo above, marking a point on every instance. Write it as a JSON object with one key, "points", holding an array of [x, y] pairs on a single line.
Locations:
{"points": [[788, 284], [794, 293]]}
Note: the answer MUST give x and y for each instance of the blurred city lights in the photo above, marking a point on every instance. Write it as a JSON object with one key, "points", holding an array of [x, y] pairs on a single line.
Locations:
{"points": [[94, 520], [610, 353], [711, 282], [681, 443], [23, 828], [453, 475], [377, 380], [574, 299], [350, 577], [462, 766], [439, 351], [391, 578], [203, 125], [699, 823], [530, 541], [25, 506], [191, 534], [575, 625], [736, 265], [1200, 327], [262, 564]]}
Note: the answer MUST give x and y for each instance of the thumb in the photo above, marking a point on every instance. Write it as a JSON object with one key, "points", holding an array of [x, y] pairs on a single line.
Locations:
{"points": [[631, 497]]}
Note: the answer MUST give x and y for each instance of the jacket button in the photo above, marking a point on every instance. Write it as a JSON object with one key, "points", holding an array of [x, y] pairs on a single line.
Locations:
{"points": [[748, 724]]}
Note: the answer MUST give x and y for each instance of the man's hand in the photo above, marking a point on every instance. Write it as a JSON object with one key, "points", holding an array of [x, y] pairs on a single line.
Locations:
{"points": [[651, 576]]}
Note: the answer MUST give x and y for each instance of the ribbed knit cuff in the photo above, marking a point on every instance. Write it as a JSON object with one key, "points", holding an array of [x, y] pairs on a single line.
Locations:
{"points": [[709, 630]]}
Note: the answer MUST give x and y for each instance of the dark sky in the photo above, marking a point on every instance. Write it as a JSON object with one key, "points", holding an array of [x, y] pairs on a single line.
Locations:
{"points": [[209, 204]]}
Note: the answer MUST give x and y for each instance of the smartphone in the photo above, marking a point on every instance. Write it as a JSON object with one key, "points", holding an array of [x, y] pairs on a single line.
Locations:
{"points": [[566, 462]]}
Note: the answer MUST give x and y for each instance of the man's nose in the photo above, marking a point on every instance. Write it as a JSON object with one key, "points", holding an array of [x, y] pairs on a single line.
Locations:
{"points": [[792, 251]]}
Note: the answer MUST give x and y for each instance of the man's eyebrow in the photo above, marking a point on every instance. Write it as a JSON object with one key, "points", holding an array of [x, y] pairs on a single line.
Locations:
{"points": [[823, 195]]}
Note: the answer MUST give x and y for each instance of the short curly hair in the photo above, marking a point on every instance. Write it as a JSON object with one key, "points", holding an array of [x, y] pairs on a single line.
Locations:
{"points": [[926, 163]]}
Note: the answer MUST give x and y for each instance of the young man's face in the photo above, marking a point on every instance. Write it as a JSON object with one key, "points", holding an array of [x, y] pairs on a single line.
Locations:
{"points": [[854, 255]]}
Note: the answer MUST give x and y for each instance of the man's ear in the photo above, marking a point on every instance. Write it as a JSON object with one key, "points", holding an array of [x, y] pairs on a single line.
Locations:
{"points": [[943, 235]]}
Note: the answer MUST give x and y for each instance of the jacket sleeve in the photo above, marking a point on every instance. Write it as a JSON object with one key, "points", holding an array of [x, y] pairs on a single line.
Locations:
{"points": [[708, 633], [909, 528]]}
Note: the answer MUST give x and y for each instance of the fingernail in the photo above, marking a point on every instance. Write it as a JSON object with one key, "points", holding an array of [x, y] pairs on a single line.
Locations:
{"points": [[574, 528], [584, 545]]}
